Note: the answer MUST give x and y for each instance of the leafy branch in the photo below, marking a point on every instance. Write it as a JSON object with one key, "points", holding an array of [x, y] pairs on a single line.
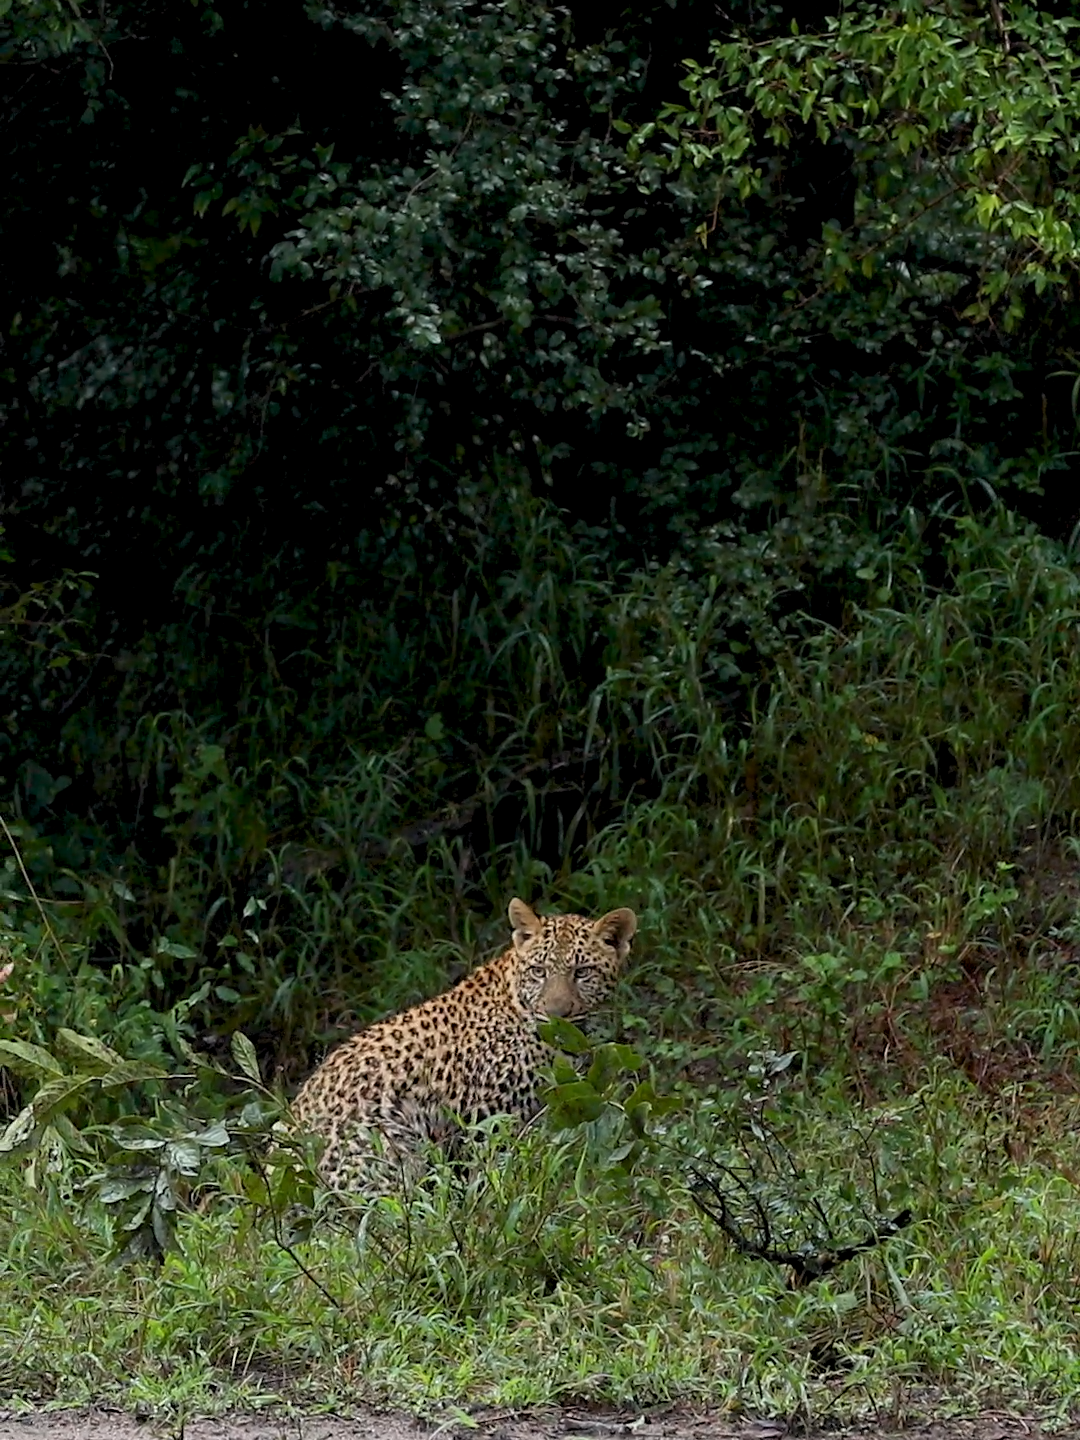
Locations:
{"points": [[930, 108]]}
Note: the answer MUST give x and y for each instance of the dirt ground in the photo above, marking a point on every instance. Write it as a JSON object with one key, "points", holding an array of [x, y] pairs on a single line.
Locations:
{"points": [[675, 1424]]}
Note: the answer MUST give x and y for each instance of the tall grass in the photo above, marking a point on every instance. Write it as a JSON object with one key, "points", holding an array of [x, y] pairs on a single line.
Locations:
{"points": [[867, 858], [566, 737]]}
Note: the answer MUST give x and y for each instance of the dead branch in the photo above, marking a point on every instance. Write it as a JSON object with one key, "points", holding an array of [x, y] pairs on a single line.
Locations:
{"points": [[808, 1263]]}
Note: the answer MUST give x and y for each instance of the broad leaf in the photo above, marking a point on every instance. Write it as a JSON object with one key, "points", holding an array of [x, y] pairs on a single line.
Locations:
{"points": [[243, 1052], [27, 1059]]}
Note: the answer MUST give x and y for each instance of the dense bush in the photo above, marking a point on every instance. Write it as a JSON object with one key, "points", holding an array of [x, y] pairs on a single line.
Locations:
{"points": [[445, 442]]}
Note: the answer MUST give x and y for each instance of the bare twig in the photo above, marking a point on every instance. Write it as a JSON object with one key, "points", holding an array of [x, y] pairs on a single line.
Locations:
{"points": [[282, 1243], [807, 1264], [30, 886], [999, 25]]}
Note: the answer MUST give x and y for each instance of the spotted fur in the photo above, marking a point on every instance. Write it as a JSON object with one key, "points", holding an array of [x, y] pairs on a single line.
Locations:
{"points": [[469, 1053]]}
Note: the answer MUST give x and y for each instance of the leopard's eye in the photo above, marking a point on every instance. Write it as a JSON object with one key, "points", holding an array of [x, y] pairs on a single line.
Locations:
{"points": [[534, 972], [586, 971]]}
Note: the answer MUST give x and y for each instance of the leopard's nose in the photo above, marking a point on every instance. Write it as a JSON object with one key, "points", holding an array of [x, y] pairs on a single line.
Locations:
{"points": [[559, 997]]}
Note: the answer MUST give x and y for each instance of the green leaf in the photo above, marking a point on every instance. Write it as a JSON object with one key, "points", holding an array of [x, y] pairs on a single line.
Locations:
{"points": [[136, 1140], [57, 1094], [27, 1059], [117, 1188], [626, 1153], [176, 950], [564, 1036], [643, 1104], [213, 1137], [165, 1196], [184, 1156], [131, 1072], [573, 1104], [69, 1135], [20, 1132], [162, 1226], [134, 1221], [610, 1061], [243, 1052], [91, 1055], [190, 1055], [254, 1187], [642, 1094]]}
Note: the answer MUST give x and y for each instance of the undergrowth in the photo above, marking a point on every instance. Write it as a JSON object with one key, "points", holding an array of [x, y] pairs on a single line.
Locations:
{"points": [[541, 1277], [871, 875]]}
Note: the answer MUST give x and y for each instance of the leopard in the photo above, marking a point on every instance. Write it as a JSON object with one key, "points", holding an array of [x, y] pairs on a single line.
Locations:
{"points": [[410, 1084]]}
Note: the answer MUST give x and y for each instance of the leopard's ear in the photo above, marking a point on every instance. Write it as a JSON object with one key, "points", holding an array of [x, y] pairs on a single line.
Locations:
{"points": [[618, 928], [526, 922]]}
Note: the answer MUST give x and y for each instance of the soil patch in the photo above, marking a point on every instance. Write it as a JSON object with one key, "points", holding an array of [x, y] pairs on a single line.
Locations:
{"points": [[676, 1424]]}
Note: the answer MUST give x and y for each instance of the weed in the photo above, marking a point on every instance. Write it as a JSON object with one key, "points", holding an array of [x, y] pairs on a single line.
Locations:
{"points": [[872, 877]]}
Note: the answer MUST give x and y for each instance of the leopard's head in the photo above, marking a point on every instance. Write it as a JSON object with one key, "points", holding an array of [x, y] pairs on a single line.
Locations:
{"points": [[565, 965]]}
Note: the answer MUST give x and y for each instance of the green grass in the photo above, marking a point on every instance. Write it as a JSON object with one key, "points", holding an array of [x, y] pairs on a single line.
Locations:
{"points": [[876, 871], [524, 1286]]}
